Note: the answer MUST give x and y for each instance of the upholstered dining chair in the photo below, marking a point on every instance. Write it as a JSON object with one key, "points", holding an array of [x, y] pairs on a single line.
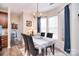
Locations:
{"points": [[25, 37], [32, 49], [50, 35]]}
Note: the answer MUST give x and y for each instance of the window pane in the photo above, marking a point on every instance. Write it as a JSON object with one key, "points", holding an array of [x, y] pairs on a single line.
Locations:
{"points": [[43, 24], [53, 26]]}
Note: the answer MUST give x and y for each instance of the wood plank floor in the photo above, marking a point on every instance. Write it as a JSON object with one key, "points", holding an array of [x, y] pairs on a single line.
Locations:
{"points": [[14, 51], [18, 50]]}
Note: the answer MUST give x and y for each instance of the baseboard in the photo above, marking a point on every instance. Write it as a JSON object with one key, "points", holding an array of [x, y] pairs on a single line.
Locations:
{"points": [[74, 52]]}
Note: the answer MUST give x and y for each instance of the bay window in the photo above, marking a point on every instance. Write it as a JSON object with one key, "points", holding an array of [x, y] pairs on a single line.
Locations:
{"points": [[43, 24], [53, 26]]}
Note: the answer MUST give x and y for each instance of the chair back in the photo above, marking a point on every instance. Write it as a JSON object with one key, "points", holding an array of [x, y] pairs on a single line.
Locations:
{"points": [[31, 46], [42, 34], [49, 35], [25, 37]]}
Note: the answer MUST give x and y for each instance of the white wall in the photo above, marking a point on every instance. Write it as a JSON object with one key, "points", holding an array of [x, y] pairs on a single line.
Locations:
{"points": [[14, 18], [20, 26], [61, 25], [29, 17], [17, 19], [74, 24]]}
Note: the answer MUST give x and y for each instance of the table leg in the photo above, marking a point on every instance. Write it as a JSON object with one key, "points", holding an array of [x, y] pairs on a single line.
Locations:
{"points": [[40, 51], [44, 51], [53, 48]]}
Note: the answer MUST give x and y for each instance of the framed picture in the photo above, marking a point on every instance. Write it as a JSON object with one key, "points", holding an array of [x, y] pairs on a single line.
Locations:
{"points": [[28, 23], [14, 26]]}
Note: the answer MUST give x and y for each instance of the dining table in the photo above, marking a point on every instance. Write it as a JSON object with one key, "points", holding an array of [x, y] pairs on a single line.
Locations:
{"points": [[43, 42]]}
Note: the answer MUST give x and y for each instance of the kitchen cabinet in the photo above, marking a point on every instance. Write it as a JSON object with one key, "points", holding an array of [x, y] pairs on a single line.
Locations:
{"points": [[4, 19], [4, 41], [4, 32]]}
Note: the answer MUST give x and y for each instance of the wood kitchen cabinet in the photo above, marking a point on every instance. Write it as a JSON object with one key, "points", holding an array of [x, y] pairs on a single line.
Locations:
{"points": [[4, 19], [4, 41], [4, 24]]}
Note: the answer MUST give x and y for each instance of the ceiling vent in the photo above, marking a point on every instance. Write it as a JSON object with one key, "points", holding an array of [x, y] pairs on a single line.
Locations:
{"points": [[51, 3]]}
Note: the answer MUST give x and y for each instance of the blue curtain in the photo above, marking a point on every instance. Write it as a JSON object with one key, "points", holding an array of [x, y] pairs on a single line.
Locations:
{"points": [[67, 44], [38, 24]]}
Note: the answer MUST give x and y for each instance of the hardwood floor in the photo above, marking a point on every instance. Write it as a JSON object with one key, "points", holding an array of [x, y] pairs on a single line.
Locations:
{"points": [[14, 51], [18, 50]]}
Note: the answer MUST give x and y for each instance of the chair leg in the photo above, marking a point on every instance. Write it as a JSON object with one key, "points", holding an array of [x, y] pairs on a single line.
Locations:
{"points": [[28, 52], [42, 52], [25, 50], [46, 51], [51, 49]]}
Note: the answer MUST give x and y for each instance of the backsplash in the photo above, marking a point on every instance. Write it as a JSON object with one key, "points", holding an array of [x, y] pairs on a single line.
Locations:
{"points": [[4, 32]]}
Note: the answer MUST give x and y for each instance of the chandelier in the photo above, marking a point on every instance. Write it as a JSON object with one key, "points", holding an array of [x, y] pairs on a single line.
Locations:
{"points": [[37, 13]]}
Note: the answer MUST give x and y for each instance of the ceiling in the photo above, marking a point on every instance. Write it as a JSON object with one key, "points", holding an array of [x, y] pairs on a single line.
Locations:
{"points": [[30, 7]]}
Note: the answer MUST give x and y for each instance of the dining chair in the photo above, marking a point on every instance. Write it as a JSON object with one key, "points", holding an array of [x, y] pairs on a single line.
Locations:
{"points": [[50, 35], [25, 37], [32, 49], [42, 34]]}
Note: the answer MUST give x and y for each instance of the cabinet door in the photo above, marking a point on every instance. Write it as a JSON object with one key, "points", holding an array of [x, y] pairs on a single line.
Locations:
{"points": [[4, 41], [4, 19]]}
